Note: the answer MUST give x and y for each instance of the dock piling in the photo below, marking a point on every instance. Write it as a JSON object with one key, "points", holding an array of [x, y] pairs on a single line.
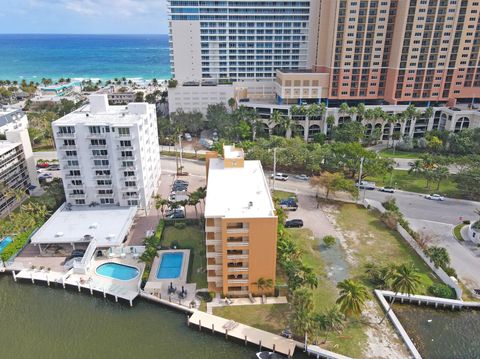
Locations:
{"points": [[226, 333], [260, 345], [14, 276], [199, 325], [79, 289], [213, 328], [246, 341]]}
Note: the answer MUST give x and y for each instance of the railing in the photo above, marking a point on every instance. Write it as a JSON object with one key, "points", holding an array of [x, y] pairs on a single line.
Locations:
{"points": [[73, 176], [212, 242], [95, 135], [68, 147], [65, 134], [77, 195], [125, 147], [237, 230], [212, 229], [103, 177], [99, 157], [71, 167], [214, 267], [97, 147], [238, 281], [74, 186], [237, 256], [238, 244], [104, 186], [131, 197], [127, 158], [213, 254], [236, 269]]}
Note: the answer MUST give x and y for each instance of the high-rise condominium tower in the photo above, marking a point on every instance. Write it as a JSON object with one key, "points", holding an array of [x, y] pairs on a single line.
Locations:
{"points": [[236, 40]]}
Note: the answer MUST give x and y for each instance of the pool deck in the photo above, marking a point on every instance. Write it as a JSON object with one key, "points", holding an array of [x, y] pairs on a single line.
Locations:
{"points": [[127, 290]]}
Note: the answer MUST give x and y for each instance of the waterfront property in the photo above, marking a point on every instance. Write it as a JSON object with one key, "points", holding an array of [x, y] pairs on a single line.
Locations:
{"points": [[109, 155], [61, 89], [240, 224]]}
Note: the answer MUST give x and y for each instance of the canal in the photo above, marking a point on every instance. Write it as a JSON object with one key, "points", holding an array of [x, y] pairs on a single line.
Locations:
{"points": [[41, 322], [439, 333]]}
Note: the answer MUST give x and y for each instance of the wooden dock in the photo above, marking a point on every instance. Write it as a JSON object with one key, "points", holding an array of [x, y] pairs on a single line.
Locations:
{"points": [[116, 291], [263, 339]]}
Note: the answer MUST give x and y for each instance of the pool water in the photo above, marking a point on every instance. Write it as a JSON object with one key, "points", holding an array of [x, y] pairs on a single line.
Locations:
{"points": [[170, 266], [117, 271], [5, 243]]}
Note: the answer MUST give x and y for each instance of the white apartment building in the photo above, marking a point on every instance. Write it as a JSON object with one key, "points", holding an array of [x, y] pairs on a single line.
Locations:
{"points": [[12, 119], [109, 155], [238, 40]]}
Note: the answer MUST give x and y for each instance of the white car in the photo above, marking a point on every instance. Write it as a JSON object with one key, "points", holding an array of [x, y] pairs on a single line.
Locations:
{"points": [[387, 189], [188, 137], [435, 197], [280, 177], [301, 177]]}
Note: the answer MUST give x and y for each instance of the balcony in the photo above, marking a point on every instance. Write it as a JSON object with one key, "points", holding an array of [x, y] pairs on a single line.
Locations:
{"points": [[128, 168], [106, 195], [238, 292], [236, 269], [77, 195], [65, 135], [97, 147], [237, 230], [237, 244], [124, 135], [214, 267], [214, 255], [213, 242], [127, 158], [130, 188], [99, 157], [96, 135], [107, 177], [216, 279], [101, 167], [73, 176], [121, 148], [238, 281], [75, 186], [71, 167], [237, 256], [129, 178], [103, 186], [133, 196], [212, 229], [67, 147]]}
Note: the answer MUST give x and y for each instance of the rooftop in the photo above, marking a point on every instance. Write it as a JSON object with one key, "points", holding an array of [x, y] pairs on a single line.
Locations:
{"points": [[240, 192], [6, 146], [99, 111], [8, 115], [107, 225]]}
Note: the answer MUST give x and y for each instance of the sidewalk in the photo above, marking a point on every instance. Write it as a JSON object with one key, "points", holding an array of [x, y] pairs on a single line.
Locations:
{"points": [[218, 302]]}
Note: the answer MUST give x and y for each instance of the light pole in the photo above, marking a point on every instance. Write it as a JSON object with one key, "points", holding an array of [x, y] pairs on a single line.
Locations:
{"points": [[360, 178], [274, 166], [181, 150]]}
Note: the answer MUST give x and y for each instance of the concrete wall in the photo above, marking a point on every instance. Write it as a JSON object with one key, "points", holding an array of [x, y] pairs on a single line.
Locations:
{"points": [[187, 53]]}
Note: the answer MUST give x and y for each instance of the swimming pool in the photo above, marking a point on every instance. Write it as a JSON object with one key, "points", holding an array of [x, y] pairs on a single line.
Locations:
{"points": [[117, 271], [171, 266], [5, 243]]}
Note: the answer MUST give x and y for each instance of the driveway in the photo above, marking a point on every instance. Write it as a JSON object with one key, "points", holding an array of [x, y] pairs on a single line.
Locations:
{"points": [[465, 262]]}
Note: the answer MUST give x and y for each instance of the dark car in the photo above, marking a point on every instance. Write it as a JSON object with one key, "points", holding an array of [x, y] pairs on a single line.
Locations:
{"points": [[178, 182], [294, 223], [179, 187], [176, 215], [289, 204]]}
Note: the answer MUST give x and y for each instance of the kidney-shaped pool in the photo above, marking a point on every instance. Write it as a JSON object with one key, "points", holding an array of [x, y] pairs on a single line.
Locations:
{"points": [[117, 271]]}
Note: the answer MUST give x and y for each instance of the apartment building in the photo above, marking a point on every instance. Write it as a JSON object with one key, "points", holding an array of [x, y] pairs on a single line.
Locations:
{"points": [[240, 224], [399, 51], [109, 155], [17, 169], [12, 119], [234, 40]]}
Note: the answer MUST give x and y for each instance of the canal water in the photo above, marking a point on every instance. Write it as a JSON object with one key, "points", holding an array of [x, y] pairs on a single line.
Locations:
{"points": [[40, 322], [441, 334]]}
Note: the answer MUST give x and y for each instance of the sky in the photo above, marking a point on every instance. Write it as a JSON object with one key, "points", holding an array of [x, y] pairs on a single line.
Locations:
{"points": [[83, 17]]}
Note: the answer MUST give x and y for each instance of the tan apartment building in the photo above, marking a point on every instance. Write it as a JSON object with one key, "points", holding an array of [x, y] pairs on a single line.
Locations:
{"points": [[240, 225], [399, 51]]}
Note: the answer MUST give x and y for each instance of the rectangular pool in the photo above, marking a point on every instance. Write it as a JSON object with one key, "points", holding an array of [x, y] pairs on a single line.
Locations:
{"points": [[5, 243], [171, 266]]}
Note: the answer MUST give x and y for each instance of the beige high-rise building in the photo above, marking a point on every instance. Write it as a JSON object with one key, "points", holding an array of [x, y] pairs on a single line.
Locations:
{"points": [[241, 225], [399, 51]]}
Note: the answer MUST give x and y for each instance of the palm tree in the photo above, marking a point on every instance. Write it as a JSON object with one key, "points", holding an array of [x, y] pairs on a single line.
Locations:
{"points": [[302, 312], [405, 279], [194, 200], [360, 112], [284, 122], [331, 320], [330, 124], [416, 167], [161, 203], [232, 103], [440, 173], [353, 296], [263, 284], [202, 194]]}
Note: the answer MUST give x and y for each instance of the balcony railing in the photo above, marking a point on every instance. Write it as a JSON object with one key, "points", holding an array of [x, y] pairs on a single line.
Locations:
{"points": [[212, 242], [99, 157], [237, 256], [97, 177], [75, 186], [71, 167], [214, 254], [238, 281], [97, 147], [65, 134], [101, 167], [237, 244], [73, 176], [212, 229], [77, 195], [125, 148], [136, 196], [104, 186], [237, 230], [214, 267], [67, 147], [236, 269], [96, 135], [127, 158]]}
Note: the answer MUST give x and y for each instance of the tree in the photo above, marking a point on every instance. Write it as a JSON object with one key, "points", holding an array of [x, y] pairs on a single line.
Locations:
{"points": [[329, 241], [161, 204], [302, 304], [434, 144], [439, 256], [232, 103], [332, 182], [194, 200], [353, 296], [139, 97], [349, 132], [416, 167], [404, 279], [263, 284], [284, 122], [328, 321], [172, 83], [468, 182], [440, 173]]}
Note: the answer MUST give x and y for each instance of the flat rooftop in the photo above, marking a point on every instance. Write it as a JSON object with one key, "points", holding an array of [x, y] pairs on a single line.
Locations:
{"points": [[6, 146], [107, 225], [238, 192]]}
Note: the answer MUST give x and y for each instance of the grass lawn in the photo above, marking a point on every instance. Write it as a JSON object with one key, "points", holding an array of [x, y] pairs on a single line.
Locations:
{"points": [[270, 317], [283, 194], [456, 231], [193, 238], [388, 153], [371, 241], [186, 155], [416, 183]]}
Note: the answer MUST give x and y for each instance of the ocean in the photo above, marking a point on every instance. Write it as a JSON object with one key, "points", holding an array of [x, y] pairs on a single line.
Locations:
{"points": [[32, 57]]}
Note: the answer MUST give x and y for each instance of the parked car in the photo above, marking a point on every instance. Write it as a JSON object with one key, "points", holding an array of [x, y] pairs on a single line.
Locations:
{"points": [[175, 215], [435, 197], [387, 189], [54, 167], [43, 164], [294, 223], [289, 204], [187, 136], [279, 177], [180, 182], [366, 185], [45, 175], [205, 142], [301, 177]]}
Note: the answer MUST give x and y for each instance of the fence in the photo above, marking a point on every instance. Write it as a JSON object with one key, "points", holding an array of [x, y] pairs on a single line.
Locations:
{"points": [[444, 277]]}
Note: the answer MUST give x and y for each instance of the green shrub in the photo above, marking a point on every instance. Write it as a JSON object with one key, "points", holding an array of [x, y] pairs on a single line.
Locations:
{"points": [[441, 290], [451, 272], [180, 225], [17, 244], [466, 221], [329, 241], [391, 205], [206, 296]]}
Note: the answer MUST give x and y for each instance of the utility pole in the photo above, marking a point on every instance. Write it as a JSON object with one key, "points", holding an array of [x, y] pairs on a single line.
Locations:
{"points": [[360, 178], [274, 166], [181, 150]]}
